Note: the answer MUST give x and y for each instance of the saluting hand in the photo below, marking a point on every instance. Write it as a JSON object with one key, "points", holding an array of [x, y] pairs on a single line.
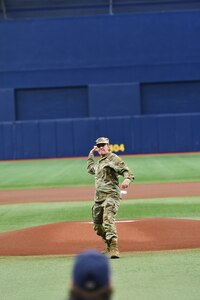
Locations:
{"points": [[94, 149]]}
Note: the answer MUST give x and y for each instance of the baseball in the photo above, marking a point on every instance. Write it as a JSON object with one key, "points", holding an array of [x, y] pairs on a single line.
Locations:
{"points": [[123, 192]]}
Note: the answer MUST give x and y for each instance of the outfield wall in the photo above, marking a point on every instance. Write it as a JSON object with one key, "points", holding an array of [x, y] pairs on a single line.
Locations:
{"points": [[128, 135], [134, 77], [100, 66]]}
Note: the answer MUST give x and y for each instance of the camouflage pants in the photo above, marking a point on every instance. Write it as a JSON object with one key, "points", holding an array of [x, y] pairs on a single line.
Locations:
{"points": [[104, 211]]}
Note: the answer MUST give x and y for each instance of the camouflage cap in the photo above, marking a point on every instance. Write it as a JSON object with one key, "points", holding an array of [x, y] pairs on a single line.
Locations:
{"points": [[102, 140]]}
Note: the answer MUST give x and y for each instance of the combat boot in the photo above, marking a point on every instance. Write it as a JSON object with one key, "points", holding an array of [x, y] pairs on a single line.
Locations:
{"points": [[114, 252], [107, 247]]}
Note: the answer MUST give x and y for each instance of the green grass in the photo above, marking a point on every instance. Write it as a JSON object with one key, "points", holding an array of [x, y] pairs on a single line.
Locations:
{"points": [[18, 216], [165, 168], [158, 275], [72, 172], [143, 276], [164, 207], [34, 278], [162, 275], [147, 275], [43, 173]]}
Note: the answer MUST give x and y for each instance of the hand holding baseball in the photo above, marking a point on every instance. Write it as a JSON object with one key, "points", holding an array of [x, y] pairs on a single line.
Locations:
{"points": [[125, 183]]}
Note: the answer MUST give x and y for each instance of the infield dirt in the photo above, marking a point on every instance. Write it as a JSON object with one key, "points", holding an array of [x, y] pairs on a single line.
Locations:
{"points": [[73, 237]]}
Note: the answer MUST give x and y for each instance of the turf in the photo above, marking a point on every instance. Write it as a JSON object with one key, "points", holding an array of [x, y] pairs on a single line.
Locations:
{"points": [[32, 278], [18, 216], [143, 276], [148, 275], [158, 275], [72, 172]]}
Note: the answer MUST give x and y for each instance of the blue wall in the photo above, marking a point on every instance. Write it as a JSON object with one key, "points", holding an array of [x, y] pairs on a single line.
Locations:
{"points": [[176, 97], [105, 58], [60, 138], [87, 73], [142, 47], [51, 103]]}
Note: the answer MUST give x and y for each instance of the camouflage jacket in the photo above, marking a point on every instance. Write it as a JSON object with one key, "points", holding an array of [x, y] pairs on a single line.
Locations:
{"points": [[107, 171]]}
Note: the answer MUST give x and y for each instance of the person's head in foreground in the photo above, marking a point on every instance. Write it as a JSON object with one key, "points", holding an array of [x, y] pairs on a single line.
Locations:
{"points": [[91, 277]]}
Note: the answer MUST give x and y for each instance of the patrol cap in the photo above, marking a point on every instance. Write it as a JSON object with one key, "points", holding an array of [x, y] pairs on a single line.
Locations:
{"points": [[102, 140], [91, 271]]}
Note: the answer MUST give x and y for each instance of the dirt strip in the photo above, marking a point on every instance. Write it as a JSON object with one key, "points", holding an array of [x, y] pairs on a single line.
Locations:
{"points": [[135, 191]]}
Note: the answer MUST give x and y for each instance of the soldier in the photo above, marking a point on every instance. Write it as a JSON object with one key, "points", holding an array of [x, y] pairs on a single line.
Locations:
{"points": [[107, 194]]}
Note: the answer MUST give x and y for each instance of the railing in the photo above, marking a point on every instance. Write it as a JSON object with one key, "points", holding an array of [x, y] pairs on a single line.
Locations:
{"points": [[13, 9]]}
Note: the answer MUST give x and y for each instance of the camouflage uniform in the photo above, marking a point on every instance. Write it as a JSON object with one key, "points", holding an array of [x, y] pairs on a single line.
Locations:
{"points": [[107, 195]]}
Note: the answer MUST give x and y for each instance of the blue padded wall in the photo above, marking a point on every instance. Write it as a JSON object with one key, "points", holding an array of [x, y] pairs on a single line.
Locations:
{"points": [[7, 141], [183, 133], [30, 139], [167, 133], [47, 141], [118, 130], [65, 139], [195, 132], [145, 134], [128, 135], [84, 130]]}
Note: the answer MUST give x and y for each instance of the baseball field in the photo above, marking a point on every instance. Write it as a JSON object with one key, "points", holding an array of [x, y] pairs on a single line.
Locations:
{"points": [[45, 220]]}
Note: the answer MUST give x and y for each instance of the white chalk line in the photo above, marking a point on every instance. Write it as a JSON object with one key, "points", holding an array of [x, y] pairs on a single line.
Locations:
{"points": [[120, 221]]}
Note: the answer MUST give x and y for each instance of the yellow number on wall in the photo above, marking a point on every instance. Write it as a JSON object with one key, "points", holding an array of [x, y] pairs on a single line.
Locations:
{"points": [[117, 147]]}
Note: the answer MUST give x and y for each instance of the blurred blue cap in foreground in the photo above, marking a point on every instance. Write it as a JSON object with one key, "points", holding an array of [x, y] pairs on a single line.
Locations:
{"points": [[91, 271]]}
